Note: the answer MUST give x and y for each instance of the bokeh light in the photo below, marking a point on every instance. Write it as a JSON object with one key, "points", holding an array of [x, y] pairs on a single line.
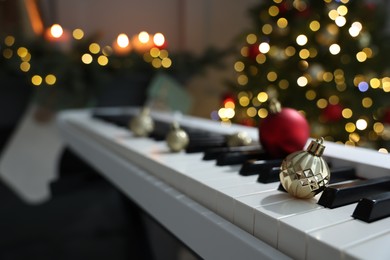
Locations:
{"points": [[56, 30]]}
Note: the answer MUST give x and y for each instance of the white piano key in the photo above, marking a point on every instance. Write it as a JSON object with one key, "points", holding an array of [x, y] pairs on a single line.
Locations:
{"points": [[267, 216], [209, 172], [225, 197], [206, 173], [208, 191], [202, 183], [376, 248], [203, 192], [244, 207], [294, 229], [186, 166], [196, 176], [329, 243], [139, 152]]}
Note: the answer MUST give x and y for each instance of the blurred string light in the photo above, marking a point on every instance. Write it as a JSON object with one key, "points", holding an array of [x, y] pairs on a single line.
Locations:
{"points": [[87, 58], [50, 79], [56, 30], [260, 48], [123, 40], [78, 34], [94, 48], [36, 80], [143, 37], [159, 39], [55, 35]]}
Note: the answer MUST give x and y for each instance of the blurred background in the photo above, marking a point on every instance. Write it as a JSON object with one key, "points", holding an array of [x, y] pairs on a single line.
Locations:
{"points": [[328, 60], [195, 34], [221, 60]]}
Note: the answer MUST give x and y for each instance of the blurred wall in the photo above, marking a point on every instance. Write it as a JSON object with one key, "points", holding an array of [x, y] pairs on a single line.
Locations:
{"points": [[189, 25]]}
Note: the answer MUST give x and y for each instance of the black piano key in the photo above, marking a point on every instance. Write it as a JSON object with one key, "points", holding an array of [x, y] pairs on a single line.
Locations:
{"points": [[340, 174], [261, 167], [119, 120], [337, 175], [197, 135], [201, 143], [373, 208], [213, 153], [201, 148], [160, 131], [337, 195], [252, 167], [281, 188], [272, 175], [232, 158], [199, 139]]}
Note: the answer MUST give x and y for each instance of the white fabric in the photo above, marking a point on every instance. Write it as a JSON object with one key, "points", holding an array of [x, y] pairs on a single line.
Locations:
{"points": [[28, 162]]}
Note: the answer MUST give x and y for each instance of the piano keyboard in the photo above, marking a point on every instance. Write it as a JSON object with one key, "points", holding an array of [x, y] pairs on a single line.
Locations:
{"points": [[276, 225]]}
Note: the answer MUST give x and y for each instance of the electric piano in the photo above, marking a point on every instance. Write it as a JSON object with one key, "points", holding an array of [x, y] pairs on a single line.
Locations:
{"points": [[221, 214]]}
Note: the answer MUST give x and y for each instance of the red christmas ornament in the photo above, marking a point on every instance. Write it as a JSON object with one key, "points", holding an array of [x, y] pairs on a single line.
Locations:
{"points": [[253, 51], [283, 131], [333, 113]]}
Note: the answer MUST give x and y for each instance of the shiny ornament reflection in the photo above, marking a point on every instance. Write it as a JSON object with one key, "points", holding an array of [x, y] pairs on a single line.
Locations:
{"points": [[142, 125], [304, 174], [177, 139]]}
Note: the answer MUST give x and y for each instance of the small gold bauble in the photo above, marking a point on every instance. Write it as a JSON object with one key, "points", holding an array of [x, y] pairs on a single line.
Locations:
{"points": [[142, 125], [239, 139], [304, 174], [177, 139]]}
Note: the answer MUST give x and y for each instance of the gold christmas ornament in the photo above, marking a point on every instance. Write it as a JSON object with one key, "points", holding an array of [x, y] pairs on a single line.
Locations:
{"points": [[304, 174], [239, 139], [142, 125], [177, 139]]}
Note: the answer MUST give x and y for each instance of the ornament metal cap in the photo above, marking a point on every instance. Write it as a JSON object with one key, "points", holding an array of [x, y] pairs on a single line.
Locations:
{"points": [[316, 147], [175, 125], [145, 111]]}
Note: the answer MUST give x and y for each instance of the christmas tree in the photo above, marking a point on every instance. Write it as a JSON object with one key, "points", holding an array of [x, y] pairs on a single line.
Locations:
{"points": [[326, 58]]}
